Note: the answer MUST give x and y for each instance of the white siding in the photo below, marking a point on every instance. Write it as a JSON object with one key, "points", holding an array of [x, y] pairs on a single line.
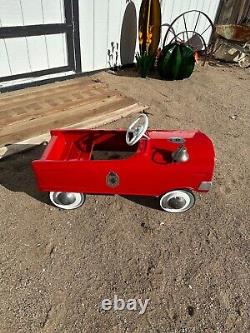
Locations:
{"points": [[56, 51], [37, 43], [53, 11], [5, 69], [10, 13], [101, 24], [28, 12], [19, 61], [100, 33], [86, 18], [29, 54]]}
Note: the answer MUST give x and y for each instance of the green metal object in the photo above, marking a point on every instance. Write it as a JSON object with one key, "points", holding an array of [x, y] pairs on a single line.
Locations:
{"points": [[176, 62], [145, 63]]}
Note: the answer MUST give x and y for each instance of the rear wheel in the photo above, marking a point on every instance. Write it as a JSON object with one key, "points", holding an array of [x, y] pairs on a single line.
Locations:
{"points": [[67, 200], [177, 201]]}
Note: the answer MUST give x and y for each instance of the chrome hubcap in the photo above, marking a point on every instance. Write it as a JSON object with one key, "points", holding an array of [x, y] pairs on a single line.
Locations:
{"points": [[177, 203], [67, 200]]}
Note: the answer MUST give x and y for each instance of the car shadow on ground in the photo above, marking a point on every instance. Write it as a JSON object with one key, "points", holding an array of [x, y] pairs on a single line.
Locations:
{"points": [[16, 173], [150, 202]]}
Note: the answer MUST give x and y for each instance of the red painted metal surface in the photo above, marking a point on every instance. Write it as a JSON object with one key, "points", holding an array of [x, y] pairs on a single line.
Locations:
{"points": [[67, 165]]}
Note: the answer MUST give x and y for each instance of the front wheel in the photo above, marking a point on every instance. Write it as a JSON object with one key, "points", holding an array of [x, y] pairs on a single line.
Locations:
{"points": [[67, 200], [177, 201]]}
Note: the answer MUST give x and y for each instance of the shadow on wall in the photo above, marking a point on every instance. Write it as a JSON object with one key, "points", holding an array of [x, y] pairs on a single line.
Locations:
{"points": [[113, 55], [128, 35]]}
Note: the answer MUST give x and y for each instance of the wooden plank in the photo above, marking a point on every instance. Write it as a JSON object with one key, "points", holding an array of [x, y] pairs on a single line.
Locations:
{"points": [[233, 11], [244, 12], [28, 91], [38, 126], [48, 106], [38, 114], [89, 123], [33, 112], [49, 91]]}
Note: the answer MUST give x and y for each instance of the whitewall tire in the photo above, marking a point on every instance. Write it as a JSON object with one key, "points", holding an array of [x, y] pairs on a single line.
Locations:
{"points": [[177, 201]]}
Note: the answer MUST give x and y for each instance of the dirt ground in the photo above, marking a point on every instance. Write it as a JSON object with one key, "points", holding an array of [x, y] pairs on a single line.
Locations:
{"points": [[57, 266]]}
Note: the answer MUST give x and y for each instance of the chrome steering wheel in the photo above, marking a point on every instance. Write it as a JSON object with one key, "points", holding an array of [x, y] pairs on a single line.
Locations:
{"points": [[136, 130]]}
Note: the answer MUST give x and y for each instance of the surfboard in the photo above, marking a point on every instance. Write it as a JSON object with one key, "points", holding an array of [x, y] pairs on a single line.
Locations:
{"points": [[149, 26]]}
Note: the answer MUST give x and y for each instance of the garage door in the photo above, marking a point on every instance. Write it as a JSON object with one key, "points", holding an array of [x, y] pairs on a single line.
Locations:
{"points": [[38, 37]]}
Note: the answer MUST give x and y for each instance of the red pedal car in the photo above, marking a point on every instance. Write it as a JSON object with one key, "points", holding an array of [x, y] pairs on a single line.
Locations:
{"points": [[170, 165]]}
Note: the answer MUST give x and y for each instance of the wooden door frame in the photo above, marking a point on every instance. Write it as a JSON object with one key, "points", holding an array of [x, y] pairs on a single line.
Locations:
{"points": [[70, 28]]}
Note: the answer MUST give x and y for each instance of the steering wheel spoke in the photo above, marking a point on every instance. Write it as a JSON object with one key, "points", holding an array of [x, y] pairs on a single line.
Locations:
{"points": [[136, 131]]}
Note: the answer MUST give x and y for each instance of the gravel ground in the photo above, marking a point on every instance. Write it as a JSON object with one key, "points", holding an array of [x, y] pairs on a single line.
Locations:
{"points": [[57, 266]]}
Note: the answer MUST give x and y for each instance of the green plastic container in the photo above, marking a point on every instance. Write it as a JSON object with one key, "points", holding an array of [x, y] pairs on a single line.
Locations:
{"points": [[176, 62]]}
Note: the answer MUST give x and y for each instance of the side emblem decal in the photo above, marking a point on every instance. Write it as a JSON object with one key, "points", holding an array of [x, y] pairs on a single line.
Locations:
{"points": [[112, 179]]}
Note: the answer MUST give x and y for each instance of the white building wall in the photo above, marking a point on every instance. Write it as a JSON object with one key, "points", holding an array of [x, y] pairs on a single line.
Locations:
{"points": [[29, 54], [101, 24]]}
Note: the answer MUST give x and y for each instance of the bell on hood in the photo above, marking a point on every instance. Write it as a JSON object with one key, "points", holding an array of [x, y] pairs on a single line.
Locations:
{"points": [[180, 155]]}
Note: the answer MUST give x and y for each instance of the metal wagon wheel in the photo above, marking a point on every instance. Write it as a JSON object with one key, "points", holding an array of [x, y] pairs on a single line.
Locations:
{"points": [[193, 30], [170, 30]]}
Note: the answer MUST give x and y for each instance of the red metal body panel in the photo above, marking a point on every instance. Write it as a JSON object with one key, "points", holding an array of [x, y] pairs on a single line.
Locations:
{"points": [[66, 164]]}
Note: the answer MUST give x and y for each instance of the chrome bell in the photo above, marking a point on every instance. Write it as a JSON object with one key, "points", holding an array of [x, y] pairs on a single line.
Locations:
{"points": [[180, 155]]}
